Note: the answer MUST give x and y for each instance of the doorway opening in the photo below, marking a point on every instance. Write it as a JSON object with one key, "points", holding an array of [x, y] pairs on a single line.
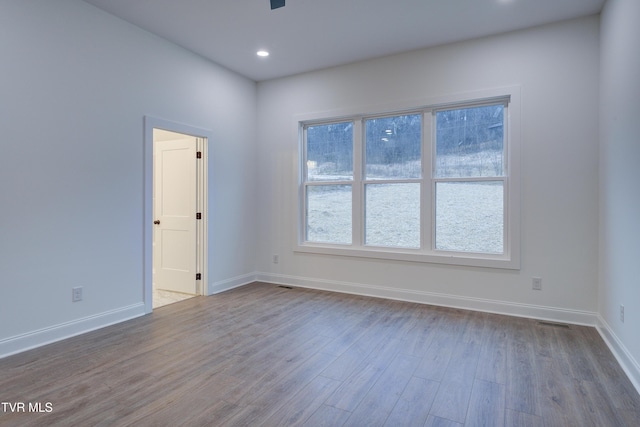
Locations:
{"points": [[175, 213]]}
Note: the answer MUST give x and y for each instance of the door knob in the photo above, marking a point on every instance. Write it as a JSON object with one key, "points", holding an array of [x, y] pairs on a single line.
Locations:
{"points": [[157, 221]]}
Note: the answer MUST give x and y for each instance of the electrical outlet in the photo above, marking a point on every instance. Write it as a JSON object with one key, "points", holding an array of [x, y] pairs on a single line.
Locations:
{"points": [[76, 294], [536, 284], [622, 313], [276, 259]]}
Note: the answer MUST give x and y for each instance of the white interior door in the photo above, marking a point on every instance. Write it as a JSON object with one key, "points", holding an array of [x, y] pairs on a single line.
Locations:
{"points": [[174, 209]]}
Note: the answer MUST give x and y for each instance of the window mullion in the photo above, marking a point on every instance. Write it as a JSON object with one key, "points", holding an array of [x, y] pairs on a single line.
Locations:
{"points": [[357, 204], [426, 194]]}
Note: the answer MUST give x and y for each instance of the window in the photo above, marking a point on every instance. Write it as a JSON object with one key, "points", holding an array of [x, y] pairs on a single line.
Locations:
{"points": [[329, 183], [469, 179], [435, 184], [392, 181]]}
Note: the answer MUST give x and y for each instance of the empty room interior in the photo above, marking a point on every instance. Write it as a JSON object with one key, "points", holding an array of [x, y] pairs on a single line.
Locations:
{"points": [[397, 213]]}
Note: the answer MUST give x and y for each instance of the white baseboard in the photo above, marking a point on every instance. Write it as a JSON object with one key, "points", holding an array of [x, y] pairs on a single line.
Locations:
{"points": [[228, 284], [630, 366], [30, 340], [553, 314], [38, 338], [27, 341]]}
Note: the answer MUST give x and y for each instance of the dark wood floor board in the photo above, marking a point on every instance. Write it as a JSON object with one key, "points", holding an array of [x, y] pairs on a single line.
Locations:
{"points": [[352, 390], [353, 358], [277, 323], [423, 328], [464, 362], [486, 405], [474, 331], [363, 376], [454, 393], [336, 315], [438, 355], [524, 328], [106, 403], [452, 400], [304, 403], [595, 405], [67, 406], [265, 355], [558, 402], [521, 419], [198, 398], [629, 417], [440, 422], [287, 350], [280, 375], [414, 404], [138, 396], [331, 323], [522, 385], [262, 399], [492, 361], [618, 386], [377, 404], [610, 375], [574, 347], [78, 365], [378, 334], [546, 341], [338, 345], [327, 416]]}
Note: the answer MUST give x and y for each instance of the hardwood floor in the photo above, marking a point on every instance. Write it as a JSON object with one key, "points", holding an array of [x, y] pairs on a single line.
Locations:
{"points": [[267, 355]]}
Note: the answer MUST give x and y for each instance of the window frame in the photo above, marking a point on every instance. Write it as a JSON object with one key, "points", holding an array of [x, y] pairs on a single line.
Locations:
{"points": [[504, 178], [381, 181], [509, 259], [304, 168]]}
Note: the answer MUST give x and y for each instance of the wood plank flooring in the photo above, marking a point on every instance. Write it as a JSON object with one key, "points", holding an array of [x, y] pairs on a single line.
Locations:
{"points": [[266, 355]]}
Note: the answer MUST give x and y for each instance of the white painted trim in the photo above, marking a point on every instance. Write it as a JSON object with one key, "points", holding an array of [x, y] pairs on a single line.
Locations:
{"points": [[554, 314], [510, 259], [41, 337], [147, 220], [629, 365], [228, 284]]}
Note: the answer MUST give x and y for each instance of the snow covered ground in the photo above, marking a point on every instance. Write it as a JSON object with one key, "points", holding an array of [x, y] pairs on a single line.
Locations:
{"points": [[469, 216]]}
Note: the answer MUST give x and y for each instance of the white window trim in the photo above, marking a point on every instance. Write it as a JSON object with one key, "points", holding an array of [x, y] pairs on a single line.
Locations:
{"points": [[510, 259]]}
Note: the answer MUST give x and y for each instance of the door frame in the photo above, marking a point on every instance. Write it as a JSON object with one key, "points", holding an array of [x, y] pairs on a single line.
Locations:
{"points": [[202, 263]]}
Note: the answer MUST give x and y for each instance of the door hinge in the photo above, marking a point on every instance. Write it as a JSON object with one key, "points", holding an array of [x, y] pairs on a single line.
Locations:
{"points": [[198, 276], [198, 215], [198, 154]]}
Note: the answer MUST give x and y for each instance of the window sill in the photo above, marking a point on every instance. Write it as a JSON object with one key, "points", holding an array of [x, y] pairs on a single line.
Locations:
{"points": [[409, 255]]}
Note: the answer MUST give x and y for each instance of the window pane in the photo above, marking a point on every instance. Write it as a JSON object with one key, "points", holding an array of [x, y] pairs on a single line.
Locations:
{"points": [[470, 142], [393, 147], [392, 215], [328, 214], [470, 216], [330, 152]]}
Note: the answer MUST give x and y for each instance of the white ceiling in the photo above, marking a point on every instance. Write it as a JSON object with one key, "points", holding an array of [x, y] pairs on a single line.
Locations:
{"points": [[308, 35]]}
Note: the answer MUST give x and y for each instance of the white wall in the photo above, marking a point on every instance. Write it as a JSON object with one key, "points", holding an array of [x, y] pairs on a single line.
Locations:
{"points": [[619, 180], [75, 85], [557, 69]]}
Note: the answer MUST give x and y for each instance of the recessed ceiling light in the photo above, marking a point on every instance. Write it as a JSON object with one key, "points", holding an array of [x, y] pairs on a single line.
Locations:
{"points": [[262, 53]]}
